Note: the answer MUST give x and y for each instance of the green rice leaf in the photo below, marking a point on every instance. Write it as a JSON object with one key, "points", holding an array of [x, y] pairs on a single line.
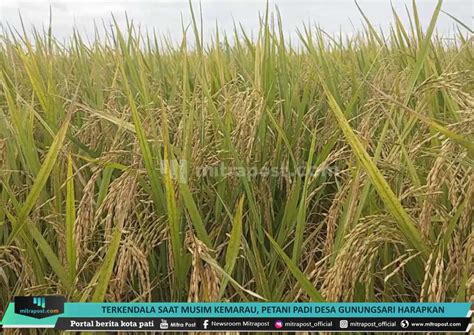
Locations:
{"points": [[390, 200], [306, 285], [234, 244], [41, 178], [106, 269], [49, 255], [70, 219]]}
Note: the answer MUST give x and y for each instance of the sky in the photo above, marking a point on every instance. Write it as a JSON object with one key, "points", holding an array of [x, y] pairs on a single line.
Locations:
{"points": [[165, 16]]}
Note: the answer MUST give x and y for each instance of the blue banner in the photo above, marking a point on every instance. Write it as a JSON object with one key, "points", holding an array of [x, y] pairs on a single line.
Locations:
{"points": [[49, 312]]}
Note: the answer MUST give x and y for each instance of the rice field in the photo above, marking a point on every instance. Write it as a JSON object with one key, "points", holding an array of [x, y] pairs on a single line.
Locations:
{"points": [[244, 169]]}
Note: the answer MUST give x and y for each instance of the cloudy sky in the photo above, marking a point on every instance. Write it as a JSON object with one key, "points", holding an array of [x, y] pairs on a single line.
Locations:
{"points": [[164, 16]]}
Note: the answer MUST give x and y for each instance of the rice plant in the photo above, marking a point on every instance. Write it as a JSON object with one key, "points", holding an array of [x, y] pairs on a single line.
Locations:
{"points": [[338, 168]]}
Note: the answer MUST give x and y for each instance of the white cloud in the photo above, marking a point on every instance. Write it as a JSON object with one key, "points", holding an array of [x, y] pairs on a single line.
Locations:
{"points": [[165, 16]]}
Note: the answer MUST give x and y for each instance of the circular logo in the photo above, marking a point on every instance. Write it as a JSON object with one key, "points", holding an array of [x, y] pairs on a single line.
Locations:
{"points": [[278, 324], [404, 323]]}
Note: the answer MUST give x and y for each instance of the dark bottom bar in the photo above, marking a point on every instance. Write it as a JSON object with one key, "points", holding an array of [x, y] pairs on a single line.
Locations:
{"points": [[266, 324]]}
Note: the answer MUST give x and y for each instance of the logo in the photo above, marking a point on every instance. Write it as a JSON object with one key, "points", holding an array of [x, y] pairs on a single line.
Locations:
{"points": [[39, 301], [278, 324], [40, 307], [177, 169], [343, 324], [205, 324], [164, 324], [404, 323]]}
